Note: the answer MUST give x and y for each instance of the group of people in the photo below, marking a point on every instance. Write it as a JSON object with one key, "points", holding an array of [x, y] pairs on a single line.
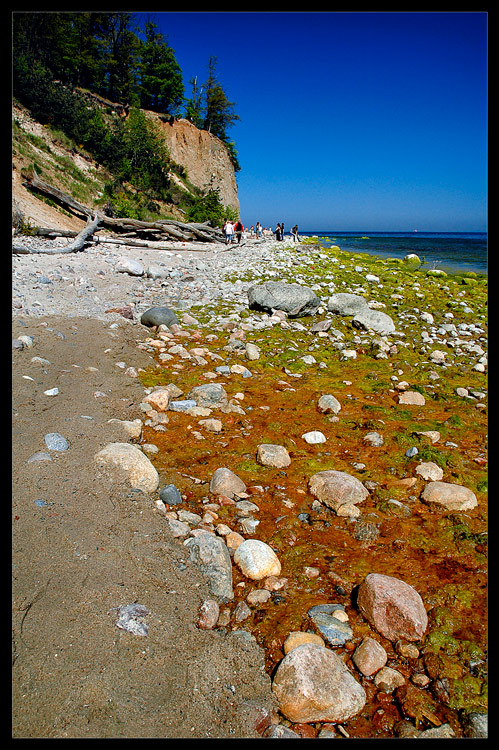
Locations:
{"points": [[234, 230]]}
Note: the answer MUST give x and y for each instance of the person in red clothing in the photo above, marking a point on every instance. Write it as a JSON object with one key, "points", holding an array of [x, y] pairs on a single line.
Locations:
{"points": [[238, 229]]}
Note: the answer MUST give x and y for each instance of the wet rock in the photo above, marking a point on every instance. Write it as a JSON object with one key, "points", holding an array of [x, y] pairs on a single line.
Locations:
{"points": [[313, 684], [225, 482], [299, 637], [449, 496], [170, 495], [130, 460], [337, 488], [392, 607], [276, 456], [293, 299], [335, 631], [388, 679], [212, 556], [369, 657], [256, 559], [475, 725], [374, 439]]}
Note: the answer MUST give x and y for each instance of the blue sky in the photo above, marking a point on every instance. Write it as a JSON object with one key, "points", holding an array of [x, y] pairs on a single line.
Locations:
{"points": [[350, 121]]}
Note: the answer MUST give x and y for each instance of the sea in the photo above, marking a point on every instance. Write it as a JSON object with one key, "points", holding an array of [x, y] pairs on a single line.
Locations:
{"points": [[453, 252]]}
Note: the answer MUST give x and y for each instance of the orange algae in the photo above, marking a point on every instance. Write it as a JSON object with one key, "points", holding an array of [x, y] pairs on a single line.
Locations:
{"points": [[407, 539]]}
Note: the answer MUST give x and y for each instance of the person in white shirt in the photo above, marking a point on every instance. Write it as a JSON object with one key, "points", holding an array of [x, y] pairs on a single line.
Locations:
{"points": [[229, 231]]}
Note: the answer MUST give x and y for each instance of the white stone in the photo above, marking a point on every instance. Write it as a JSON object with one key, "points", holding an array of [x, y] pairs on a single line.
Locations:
{"points": [[430, 471], [256, 559], [314, 437]]}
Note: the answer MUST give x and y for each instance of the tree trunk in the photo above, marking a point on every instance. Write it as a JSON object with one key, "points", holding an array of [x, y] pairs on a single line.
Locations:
{"points": [[81, 241]]}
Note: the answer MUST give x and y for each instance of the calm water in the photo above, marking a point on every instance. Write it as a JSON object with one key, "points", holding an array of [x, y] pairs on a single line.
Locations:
{"points": [[452, 251]]}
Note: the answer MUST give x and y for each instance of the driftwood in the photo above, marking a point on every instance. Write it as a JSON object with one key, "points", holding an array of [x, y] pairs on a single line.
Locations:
{"points": [[82, 240], [162, 229]]}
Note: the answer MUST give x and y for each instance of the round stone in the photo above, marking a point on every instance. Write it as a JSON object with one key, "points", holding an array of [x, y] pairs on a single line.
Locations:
{"points": [[256, 559]]}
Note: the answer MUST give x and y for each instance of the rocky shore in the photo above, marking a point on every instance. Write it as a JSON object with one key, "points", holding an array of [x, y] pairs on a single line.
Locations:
{"points": [[180, 493]]}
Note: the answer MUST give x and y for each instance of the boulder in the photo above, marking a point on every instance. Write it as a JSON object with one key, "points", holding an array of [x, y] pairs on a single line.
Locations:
{"points": [[313, 684], [373, 320], [450, 496], [211, 395], [211, 555], [392, 607], [156, 316], [293, 299], [337, 488], [276, 456], [129, 460], [225, 482], [342, 303]]}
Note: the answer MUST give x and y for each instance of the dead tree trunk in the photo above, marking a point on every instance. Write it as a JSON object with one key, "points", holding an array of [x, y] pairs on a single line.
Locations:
{"points": [[81, 241]]}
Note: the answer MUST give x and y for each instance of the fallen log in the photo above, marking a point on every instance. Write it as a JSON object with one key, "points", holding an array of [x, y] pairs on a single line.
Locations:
{"points": [[170, 227], [82, 239]]}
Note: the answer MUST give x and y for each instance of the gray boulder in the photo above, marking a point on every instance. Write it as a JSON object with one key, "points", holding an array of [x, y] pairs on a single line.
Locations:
{"points": [[373, 320], [157, 316], [342, 303], [293, 299], [212, 556], [212, 395]]}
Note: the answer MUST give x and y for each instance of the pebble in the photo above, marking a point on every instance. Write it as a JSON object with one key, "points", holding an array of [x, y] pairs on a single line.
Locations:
{"points": [[56, 442]]}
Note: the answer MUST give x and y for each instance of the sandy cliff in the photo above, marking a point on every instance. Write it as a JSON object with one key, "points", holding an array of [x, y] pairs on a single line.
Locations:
{"points": [[203, 155]]}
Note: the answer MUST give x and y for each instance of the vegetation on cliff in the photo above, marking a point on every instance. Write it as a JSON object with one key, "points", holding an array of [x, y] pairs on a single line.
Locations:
{"points": [[91, 75]]}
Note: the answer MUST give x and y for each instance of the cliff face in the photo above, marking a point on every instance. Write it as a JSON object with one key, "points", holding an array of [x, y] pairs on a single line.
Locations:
{"points": [[203, 155]]}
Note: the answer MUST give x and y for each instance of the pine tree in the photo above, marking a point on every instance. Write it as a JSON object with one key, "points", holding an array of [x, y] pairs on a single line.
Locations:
{"points": [[219, 111], [161, 86]]}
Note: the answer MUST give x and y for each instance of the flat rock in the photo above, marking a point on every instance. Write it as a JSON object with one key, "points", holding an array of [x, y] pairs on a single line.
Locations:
{"points": [[342, 303], [211, 395], [373, 320], [293, 299]]}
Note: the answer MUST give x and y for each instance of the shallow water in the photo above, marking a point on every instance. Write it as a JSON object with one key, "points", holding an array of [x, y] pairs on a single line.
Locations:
{"points": [[452, 252]]}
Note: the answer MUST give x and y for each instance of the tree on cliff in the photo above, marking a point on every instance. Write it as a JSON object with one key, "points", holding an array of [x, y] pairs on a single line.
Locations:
{"points": [[219, 111], [161, 86]]}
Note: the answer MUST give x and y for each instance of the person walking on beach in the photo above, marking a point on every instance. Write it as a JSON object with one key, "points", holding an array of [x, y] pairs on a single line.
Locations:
{"points": [[294, 232], [277, 231], [282, 230], [258, 230], [229, 230], [238, 229]]}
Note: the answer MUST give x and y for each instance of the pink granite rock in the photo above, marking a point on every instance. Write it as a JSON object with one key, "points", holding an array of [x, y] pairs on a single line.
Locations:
{"points": [[392, 607]]}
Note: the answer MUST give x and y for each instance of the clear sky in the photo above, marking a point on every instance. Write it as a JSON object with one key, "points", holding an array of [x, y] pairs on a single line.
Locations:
{"points": [[349, 121]]}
